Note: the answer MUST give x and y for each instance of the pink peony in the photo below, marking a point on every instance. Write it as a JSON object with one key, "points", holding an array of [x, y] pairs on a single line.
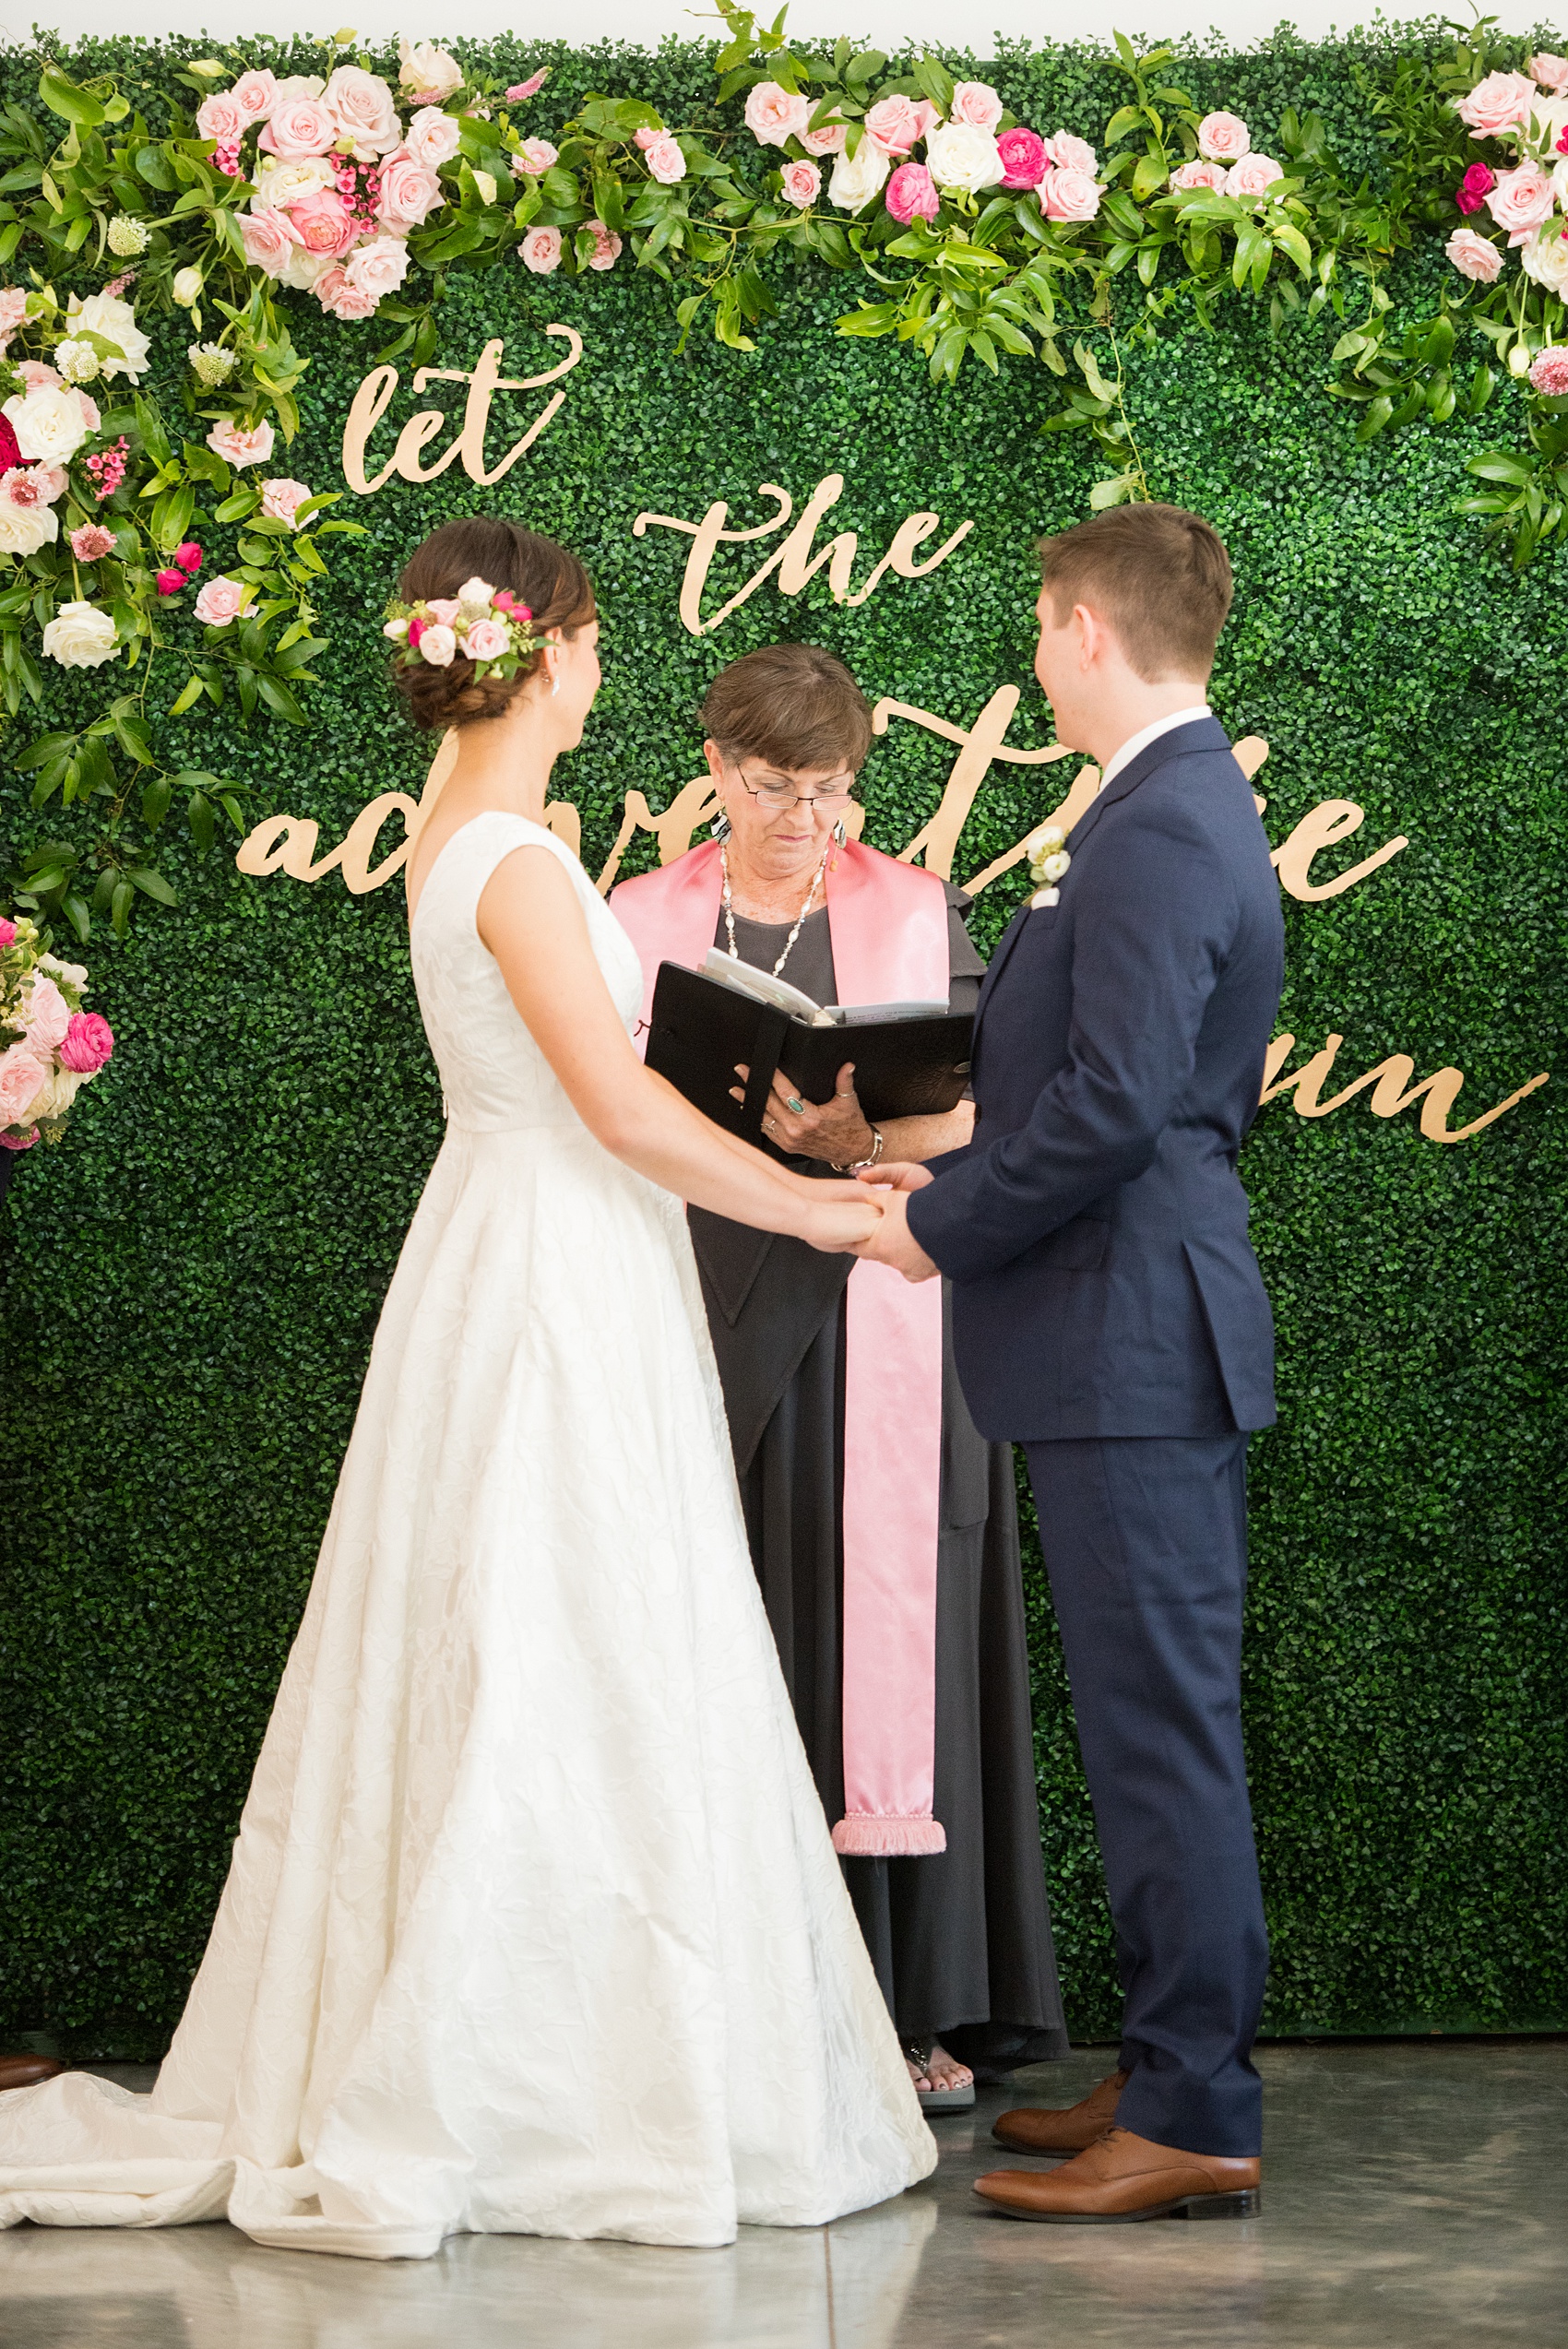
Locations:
{"points": [[802, 185], [220, 602], [606, 246], [379, 268], [269, 237], [1550, 72], [31, 488], [169, 582], [534, 158], [22, 1077], [91, 542], [1474, 256], [894, 125], [323, 223], [1501, 103], [775, 115], [1520, 201], [1223, 138], [87, 1043], [486, 640], [1066, 195], [241, 445], [666, 162], [282, 501], [363, 108], [45, 1015], [1023, 153], [188, 555], [541, 251], [828, 140], [1474, 188], [432, 137], [1210, 175], [1247, 179], [222, 119], [977, 102], [912, 195], [1549, 371], [254, 94], [1072, 153], [298, 126], [437, 644], [339, 297], [521, 90]]}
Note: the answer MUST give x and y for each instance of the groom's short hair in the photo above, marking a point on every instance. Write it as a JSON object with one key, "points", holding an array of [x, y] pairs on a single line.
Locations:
{"points": [[1158, 575]]}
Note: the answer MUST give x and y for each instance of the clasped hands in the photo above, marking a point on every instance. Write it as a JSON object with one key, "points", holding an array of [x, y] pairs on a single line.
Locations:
{"points": [[837, 1133]]}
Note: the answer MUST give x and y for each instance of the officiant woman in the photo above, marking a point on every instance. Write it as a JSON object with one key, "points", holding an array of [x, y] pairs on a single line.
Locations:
{"points": [[882, 1529]]}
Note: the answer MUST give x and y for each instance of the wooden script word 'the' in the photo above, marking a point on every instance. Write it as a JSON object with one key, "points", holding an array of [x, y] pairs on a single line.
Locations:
{"points": [[794, 561], [373, 396]]}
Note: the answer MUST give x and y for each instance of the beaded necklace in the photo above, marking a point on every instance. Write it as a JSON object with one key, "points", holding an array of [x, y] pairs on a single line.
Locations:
{"points": [[800, 918]]}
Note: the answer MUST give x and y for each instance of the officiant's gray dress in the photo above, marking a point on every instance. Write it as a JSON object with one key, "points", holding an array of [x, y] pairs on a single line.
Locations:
{"points": [[961, 1940]]}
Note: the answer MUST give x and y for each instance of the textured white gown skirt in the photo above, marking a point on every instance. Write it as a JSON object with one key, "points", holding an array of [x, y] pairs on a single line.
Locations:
{"points": [[533, 1924]]}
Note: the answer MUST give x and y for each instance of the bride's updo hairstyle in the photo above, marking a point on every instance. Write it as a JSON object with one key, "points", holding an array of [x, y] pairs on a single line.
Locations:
{"points": [[545, 577]]}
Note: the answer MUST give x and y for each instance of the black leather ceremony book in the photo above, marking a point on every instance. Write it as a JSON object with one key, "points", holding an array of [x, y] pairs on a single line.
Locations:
{"points": [[700, 1029]]}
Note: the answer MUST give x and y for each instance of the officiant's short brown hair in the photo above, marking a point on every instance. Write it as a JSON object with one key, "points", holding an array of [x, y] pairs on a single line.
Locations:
{"points": [[793, 706], [1158, 574]]}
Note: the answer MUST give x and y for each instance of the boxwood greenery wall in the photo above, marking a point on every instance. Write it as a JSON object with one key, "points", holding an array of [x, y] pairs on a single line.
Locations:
{"points": [[190, 1285]]}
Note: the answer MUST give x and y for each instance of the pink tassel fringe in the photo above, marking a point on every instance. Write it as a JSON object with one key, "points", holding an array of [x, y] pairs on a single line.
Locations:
{"points": [[861, 1836]]}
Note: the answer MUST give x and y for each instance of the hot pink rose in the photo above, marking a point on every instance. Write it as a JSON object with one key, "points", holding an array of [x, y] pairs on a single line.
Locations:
{"points": [[1072, 154], [362, 107], [254, 94], [1549, 371], [269, 237], [1023, 156], [828, 140], [802, 185], [606, 246], [1474, 188], [7, 932], [241, 445], [1223, 138], [280, 500], [1474, 256], [223, 118], [893, 126], [1550, 72], [1066, 195], [1249, 178], [1520, 201], [534, 158], [188, 554], [22, 1077], [666, 162], [323, 223], [977, 102], [91, 542], [339, 297], [88, 1042], [1501, 102], [298, 126], [541, 251], [1211, 176], [44, 1014], [379, 268], [169, 583], [432, 137], [220, 602], [486, 640], [775, 115], [521, 90], [912, 195]]}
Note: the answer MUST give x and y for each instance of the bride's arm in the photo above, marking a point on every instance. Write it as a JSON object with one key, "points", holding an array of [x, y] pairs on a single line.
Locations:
{"points": [[530, 918]]}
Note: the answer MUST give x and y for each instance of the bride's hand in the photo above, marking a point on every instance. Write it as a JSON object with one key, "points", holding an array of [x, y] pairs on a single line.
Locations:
{"points": [[833, 1216]]}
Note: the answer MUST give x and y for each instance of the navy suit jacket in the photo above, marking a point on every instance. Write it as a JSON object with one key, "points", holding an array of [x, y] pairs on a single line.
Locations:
{"points": [[1096, 1229]]}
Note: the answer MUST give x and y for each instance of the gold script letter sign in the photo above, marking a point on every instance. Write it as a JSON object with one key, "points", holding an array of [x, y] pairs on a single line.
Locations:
{"points": [[373, 396]]}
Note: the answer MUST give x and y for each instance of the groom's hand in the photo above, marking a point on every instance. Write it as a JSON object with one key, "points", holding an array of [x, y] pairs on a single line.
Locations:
{"points": [[893, 1242]]}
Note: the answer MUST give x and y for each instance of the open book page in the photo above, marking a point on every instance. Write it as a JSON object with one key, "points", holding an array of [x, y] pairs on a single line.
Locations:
{"points": [[763, 988]]}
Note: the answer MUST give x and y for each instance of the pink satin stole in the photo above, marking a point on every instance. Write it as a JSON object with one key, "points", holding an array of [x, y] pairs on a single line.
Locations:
{"points": [[888, 923]]}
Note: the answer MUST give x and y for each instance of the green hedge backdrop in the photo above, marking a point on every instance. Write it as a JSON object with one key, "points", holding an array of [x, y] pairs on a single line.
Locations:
{"points": [[189, 1286]]}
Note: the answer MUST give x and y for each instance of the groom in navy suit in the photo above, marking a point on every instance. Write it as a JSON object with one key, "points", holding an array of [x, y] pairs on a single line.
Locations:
{"points": [[1109, 1315]]}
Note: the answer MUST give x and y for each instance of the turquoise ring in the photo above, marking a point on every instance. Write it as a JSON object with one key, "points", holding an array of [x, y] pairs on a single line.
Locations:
{"points": [[797, 1107]]}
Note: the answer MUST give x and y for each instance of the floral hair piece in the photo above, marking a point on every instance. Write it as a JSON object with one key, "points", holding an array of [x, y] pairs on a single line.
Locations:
{"points": [[492, 630]]}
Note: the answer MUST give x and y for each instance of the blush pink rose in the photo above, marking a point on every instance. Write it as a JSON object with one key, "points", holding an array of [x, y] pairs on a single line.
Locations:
{"points": [[1474, 256], [379, 268], [37, 377], [432, 137], [912, 195], [977, 102], [339, 297], [362, 106], [1223, 138], [91, 542], [775, 115], [1501, 102], [437, 646], [485, 640], [1210, 175], [44, 1014], [241, 445], [521, 90], [22, 1078], [280, 500], [802, 185], [410, 191], [646, 136], [666, 162], [1023, 156], [323, 223], [13, 311], [1247, 179], [828, 140], [534, 158], [87, 1044], [541, 251], [444, 610], [298, 126], [220, 602], [254, 94], [1520, 201], [1066, 195], [268, 238], [893, 126], [1072, 153], [606, 246], [223, 118], [1550, 72]]}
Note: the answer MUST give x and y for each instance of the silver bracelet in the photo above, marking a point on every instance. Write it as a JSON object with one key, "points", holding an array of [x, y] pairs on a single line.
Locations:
{"points": [[856, 1165]]}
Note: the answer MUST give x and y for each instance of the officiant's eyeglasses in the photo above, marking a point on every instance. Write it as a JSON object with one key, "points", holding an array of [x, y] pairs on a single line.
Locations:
{"points": [[774, 792]]}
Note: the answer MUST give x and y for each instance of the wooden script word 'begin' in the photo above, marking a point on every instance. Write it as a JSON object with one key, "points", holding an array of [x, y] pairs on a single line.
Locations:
{"points": [[374, 394]]}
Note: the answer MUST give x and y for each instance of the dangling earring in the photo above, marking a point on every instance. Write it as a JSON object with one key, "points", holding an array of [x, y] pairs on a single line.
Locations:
{"points": [[840, 831], [554, 684], [720, 828]]}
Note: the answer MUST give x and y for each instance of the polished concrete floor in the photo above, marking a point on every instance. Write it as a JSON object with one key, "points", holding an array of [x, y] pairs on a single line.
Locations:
{"points": [[1416, 2197]]}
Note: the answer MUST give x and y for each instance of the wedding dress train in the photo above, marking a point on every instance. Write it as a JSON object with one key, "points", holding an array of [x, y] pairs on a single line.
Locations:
{"points": [[533, 1924]]}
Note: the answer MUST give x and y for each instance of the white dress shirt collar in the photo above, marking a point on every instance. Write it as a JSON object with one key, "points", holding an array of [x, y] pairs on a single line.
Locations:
{"points": [[1148, 734]]}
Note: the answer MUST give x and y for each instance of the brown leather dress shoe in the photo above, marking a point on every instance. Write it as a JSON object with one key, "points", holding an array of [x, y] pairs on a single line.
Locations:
{"points": [[1121, 2178], [1065, 2129], [25, 2071]]}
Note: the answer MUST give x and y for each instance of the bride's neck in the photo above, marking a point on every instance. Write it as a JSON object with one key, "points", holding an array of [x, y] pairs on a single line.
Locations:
{"points": [[505, 764]]}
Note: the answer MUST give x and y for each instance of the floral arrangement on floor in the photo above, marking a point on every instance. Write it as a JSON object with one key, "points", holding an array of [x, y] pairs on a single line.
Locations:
{"points": [[49, 1046]]}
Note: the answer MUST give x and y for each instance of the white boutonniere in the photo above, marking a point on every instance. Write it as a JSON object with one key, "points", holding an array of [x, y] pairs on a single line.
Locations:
{"points": [[1048, 862]]}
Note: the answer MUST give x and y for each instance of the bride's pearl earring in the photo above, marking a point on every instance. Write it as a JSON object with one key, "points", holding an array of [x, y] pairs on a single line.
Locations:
{"points": [[554, 684]]}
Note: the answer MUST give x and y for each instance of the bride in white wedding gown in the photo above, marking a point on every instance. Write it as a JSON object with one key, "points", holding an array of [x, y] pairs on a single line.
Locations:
{"points": [[533, 1924]]}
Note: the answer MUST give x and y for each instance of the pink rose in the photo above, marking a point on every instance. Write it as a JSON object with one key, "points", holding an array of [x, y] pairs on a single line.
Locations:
{"points": [[91, 542], [432, 137], [254, 94], [521, 90], [280, 500], [1550, 71], [606, 246], [646, 136], [1548, 371], [534, 158], [1474, 188], [339, 297], [666, 162], [379, 268], [486, 640], [37, 377], [775, 115], [828, 140], [87, 1043], [241, 445], [444, 610], [1066, 195], [1520, 201], [188, 554], [363, 108], [541, 251], [298, 126], [1474, 256], [912, 195], [437, 646], [220, 602], [44, 1014], [973, 102], [169, 583], [323, 223], [7, 932], [1072, 153], [1223, 138], [1249, 178], [89, 408], [1211, 176], [1023, 156], [268, 238], [802, 185], [223, 118], [28, 488], [893, 126], [13, 311], [22, 1078], [1501, 103]]}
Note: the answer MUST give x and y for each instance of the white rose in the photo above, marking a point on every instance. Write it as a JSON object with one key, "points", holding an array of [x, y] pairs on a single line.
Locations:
{"points": [[857, 178], [432, 137], [1052, 867], [297, 85], [65, 973], [428, 72], [963, 156], [1545, 257], [106, 315], [80, 636], [379, 268], [1549, 118], [55, 1095], [24, 529], [48, 423], [282, 184], [302, 269]]}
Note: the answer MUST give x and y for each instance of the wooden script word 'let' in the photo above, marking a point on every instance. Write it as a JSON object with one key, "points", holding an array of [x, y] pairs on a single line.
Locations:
{"points": [[373, 396]]}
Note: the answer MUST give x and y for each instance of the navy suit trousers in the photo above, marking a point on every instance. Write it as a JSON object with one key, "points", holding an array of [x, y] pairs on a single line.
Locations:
{"points": [[1146, 1545]]}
